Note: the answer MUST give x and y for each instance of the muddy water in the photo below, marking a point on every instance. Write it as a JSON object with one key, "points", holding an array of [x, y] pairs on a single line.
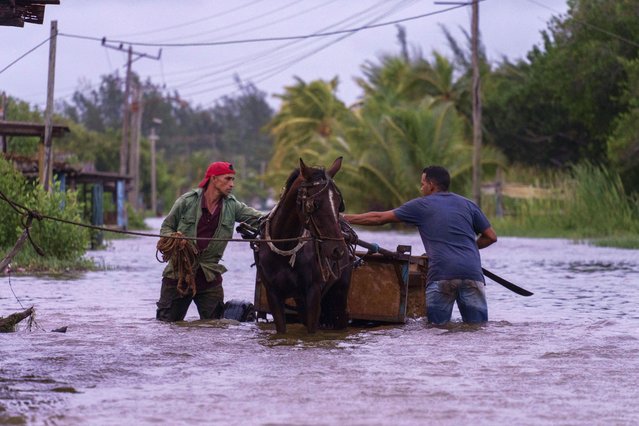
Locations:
{"points": [[569, 355]]}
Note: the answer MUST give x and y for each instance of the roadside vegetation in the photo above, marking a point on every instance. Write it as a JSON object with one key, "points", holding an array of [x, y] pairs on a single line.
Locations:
{"points": [[562, 122], [586, 203], [62, 245]]}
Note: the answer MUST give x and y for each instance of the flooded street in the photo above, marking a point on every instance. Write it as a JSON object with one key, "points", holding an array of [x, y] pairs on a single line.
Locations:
{"points": [[568, 355]]}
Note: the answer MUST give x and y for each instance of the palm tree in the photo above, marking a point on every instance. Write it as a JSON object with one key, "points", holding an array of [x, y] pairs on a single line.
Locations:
{"points": [[308, 125], [413, 113]]}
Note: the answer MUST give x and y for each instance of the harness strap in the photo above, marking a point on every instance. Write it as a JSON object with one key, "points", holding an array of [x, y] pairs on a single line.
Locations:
{"points": [[292, 252]]}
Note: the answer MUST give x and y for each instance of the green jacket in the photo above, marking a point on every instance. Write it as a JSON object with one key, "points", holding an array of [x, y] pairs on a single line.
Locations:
{"points": [[184, 217]]}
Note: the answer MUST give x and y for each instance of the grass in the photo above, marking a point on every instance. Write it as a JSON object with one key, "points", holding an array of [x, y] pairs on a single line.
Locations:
{"points": [[36, 265], [624, 241], [594, 207]]}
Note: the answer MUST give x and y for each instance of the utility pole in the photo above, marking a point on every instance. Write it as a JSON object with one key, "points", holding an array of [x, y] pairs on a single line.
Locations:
{"points": [[476, 96], [46, 166], [124, 147], [129, 157], [46, 163], [134, 154]]}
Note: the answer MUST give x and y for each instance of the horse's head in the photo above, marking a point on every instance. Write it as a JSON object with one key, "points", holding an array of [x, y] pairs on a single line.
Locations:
{"points": [[319, 203]]}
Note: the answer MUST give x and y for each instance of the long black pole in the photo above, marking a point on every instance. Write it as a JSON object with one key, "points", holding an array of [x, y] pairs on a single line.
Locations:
{"points": [[374, 248]]}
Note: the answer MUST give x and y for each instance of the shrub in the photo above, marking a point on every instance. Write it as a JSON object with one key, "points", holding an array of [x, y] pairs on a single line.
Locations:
{"points": [[13, 185], [58, 240]]}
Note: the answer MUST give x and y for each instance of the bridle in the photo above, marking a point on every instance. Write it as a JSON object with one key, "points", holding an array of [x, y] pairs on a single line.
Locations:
{"points": [[308, 205]]}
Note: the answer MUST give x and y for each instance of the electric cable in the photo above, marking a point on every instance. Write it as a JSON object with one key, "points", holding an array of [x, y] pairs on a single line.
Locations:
{"points": [[196, 21], [266, 74], [268, 39], [23, 56], [239, 23], [255, 59], [589, 25]]}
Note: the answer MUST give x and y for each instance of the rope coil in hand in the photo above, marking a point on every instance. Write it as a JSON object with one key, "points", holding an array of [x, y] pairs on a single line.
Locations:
{"points": [[181, 253]]}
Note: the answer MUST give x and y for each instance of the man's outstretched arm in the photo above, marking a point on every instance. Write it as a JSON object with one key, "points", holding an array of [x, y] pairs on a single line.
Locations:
{"points": [[371, 218]]}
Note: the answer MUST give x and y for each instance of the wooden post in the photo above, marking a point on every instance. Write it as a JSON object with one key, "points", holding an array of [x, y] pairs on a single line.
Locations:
{"points": [[134, 153], [499, 200], [120, 192], [46, 166], [97, 213], [476, 99], [124, 148]]}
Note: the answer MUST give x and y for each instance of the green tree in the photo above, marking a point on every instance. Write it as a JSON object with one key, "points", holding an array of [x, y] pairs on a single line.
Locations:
{"points": [[239, 138], [413, 113], [623, 143], [188, 135], [97, 109], [308, 125], [17, 110], [560, 106]]}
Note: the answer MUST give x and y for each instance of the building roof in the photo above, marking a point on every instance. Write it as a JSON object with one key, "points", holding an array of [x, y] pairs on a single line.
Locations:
{"points": [[23, 128], [28, 166], [14, 13]]}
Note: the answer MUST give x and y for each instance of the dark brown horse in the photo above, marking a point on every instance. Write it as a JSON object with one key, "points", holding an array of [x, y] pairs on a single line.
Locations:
{"points": [[315, 267]]}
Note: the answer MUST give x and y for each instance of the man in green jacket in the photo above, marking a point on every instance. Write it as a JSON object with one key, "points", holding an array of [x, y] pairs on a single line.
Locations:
{"points": [[209, 211]]}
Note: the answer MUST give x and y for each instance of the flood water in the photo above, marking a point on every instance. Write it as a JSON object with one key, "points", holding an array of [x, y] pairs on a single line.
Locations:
{"points": [[569, 355]]}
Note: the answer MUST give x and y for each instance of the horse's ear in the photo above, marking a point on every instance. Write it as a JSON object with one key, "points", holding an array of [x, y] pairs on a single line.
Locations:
{"points": [[304, 170], [335, 167]]}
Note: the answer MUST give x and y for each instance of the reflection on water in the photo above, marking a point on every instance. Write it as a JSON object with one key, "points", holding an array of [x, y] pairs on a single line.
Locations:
{"points": [[566, 355]]}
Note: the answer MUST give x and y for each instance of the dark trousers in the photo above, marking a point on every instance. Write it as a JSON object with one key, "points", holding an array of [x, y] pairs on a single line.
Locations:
{"points": [[173, 307]]}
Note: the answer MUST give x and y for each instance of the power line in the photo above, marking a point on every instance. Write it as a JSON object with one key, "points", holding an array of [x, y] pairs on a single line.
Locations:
{"points": [[238, 23], [589, 25], [287, 59], [184, 24], [283, 19], [266, 74], [21, 57], [268, 39], [360, 16], [220, 67]]}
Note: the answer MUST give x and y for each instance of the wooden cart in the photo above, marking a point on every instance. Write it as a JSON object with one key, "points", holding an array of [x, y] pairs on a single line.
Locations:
{"points": [[383, 288]]}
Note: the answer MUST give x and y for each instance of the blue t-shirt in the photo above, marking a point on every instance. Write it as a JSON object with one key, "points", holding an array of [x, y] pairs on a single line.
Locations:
{"points": [[448, 224]]}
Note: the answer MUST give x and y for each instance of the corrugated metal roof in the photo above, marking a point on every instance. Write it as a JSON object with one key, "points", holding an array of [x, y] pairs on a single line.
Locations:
{"points": [[14, 13]]}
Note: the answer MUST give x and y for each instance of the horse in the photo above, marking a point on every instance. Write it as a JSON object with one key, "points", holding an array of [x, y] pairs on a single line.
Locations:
{"points": [[313, 264]]}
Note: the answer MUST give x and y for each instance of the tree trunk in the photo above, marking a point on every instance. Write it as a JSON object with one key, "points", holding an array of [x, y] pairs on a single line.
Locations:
{"points": [[7, 325]]}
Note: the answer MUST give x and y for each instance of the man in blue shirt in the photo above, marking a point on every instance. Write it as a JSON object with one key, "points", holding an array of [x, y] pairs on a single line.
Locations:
{"points": [[453, 229]]}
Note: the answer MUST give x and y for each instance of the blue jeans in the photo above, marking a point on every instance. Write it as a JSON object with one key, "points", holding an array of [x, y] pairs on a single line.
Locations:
{"points": [[470, 296]]}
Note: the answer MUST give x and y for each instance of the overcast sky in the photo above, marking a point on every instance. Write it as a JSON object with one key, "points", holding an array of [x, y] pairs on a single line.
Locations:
{"points": [[203, 74]]}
